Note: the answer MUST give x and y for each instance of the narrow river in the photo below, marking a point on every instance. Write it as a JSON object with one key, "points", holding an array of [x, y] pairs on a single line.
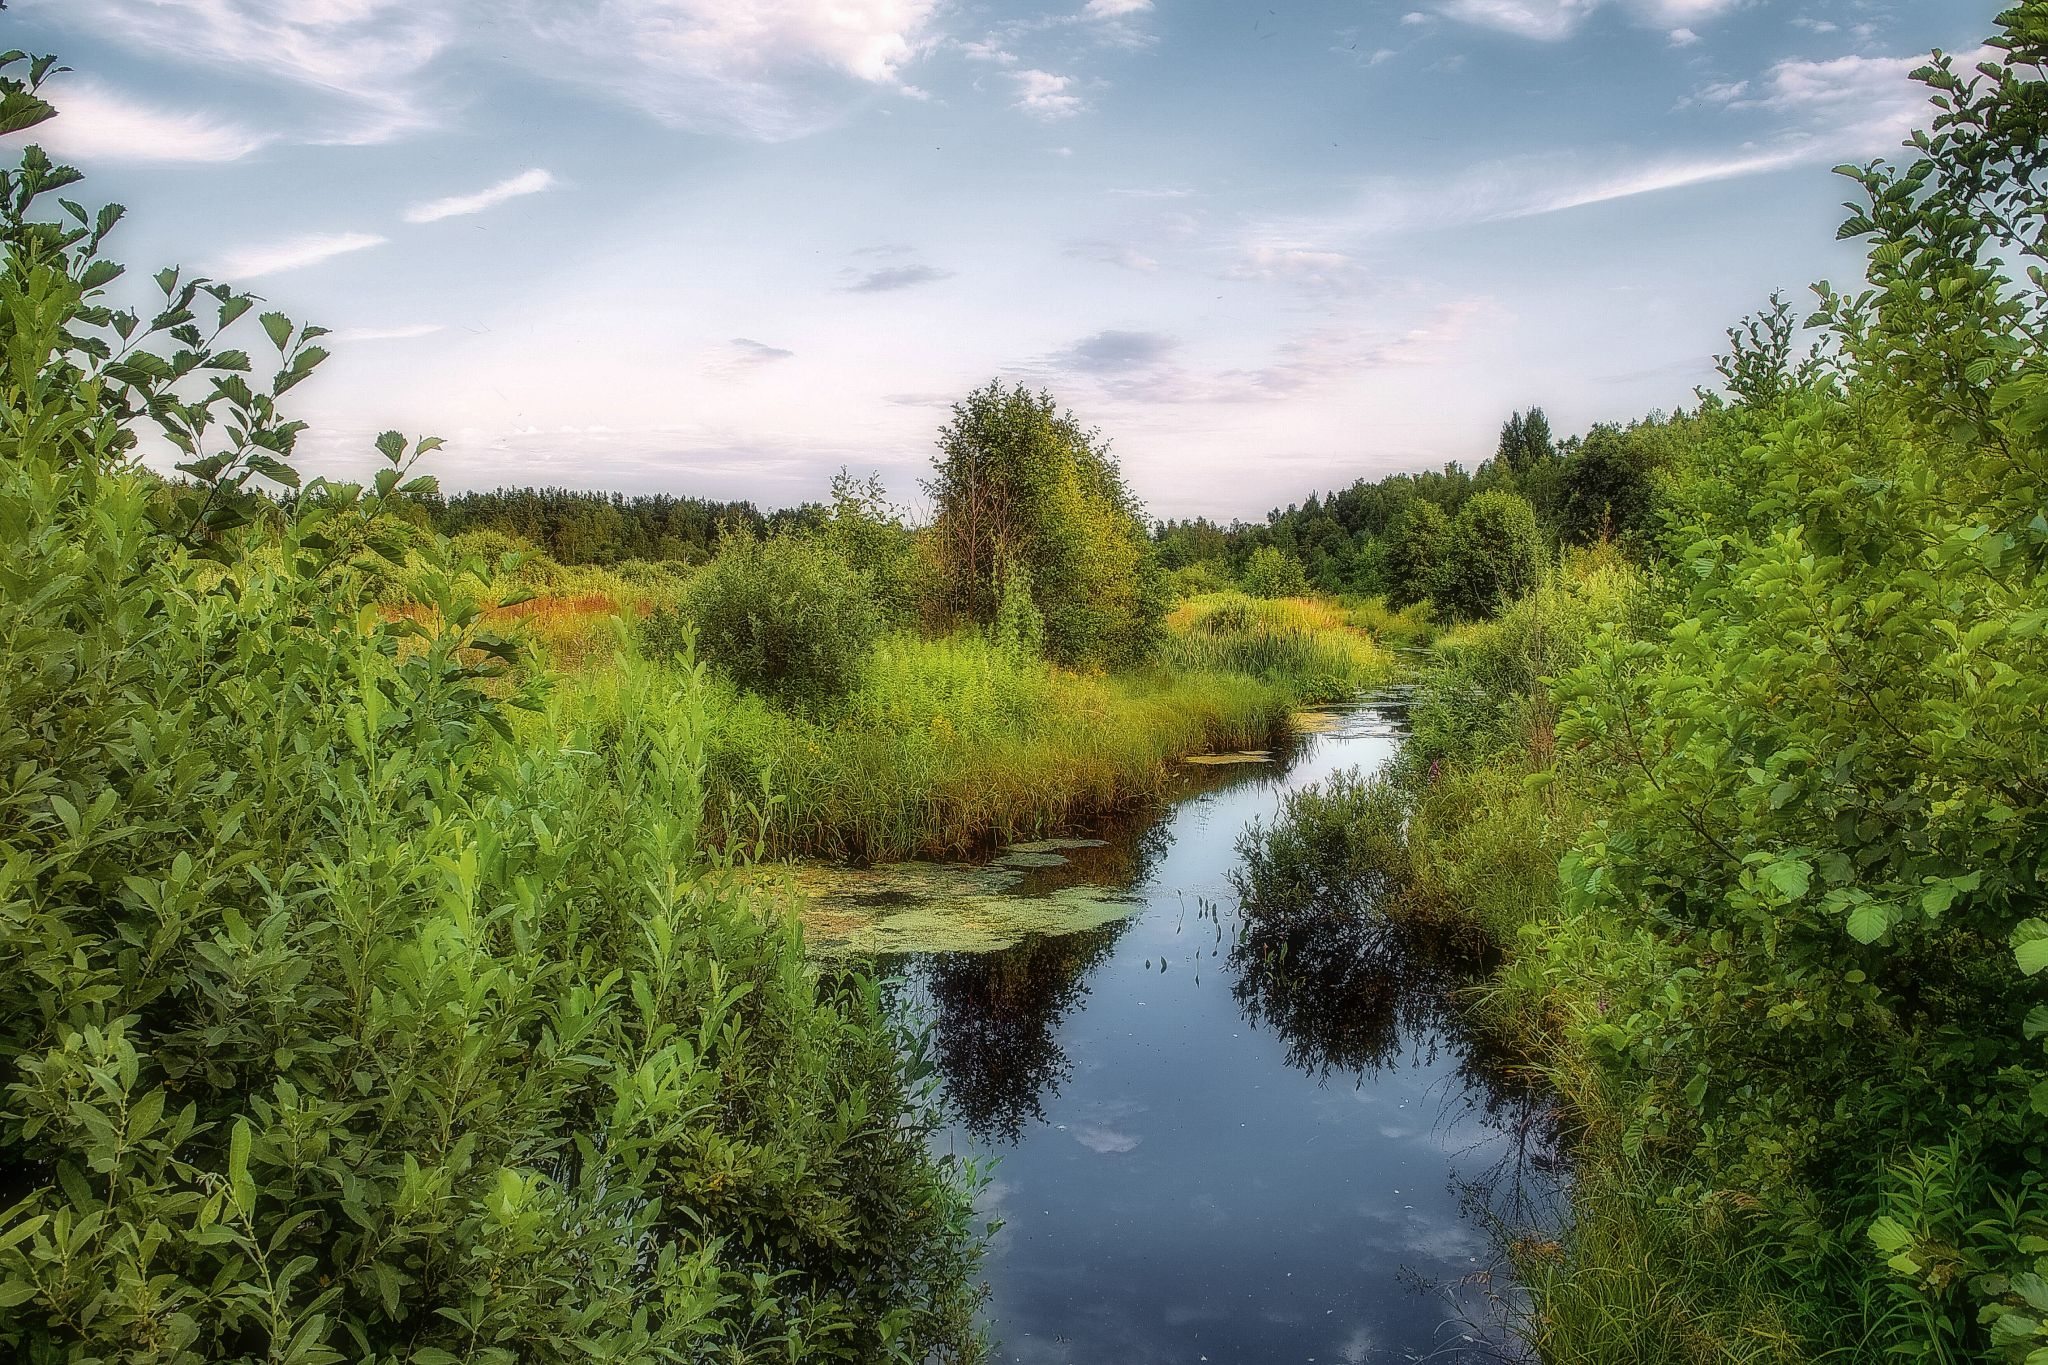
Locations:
{"points": [[1216, 1145]]}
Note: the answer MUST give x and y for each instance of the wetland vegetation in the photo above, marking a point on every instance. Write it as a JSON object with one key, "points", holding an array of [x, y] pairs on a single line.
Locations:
{"points": [[537, 926]]}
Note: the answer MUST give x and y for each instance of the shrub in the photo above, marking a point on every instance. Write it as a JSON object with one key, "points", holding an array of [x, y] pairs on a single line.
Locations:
{"points": [[1272, 572], [785, 617], [335, 1024], [1490, 557]]}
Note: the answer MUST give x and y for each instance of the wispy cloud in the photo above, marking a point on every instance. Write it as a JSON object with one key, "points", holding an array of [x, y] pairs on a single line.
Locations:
{"points": [[771, 70], [296, 253], [526, 182], [1551, 20], [364, 60], [743, 354], [402, 332], [1114, 352], [95, 123], [1047, 95], [892, 277], [1310, 267], [1120, 254]]}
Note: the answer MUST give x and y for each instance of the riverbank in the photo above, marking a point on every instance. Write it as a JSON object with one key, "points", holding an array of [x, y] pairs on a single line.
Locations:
{"points": [[951, 745], [1470, 827]]}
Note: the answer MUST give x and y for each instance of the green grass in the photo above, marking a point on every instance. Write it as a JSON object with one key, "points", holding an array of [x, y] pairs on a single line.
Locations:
{"points": [[950, 744], [1310, 645]]}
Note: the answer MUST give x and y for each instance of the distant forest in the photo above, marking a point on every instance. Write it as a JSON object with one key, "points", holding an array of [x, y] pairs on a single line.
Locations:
{"points": [[1376, 536]]}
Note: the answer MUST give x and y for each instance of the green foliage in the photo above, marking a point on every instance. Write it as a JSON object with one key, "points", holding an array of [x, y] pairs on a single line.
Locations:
{"points": [[788, 618], [1416, 544], [334, 1025], [866, 530], [1333, 849], [1309, 647], [1490, 557], [1017, 481], [1272, 572], [1796, 970], [1608, 490]]}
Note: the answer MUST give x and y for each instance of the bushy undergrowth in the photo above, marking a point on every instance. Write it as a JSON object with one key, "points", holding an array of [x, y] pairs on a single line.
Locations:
{"points": [[788, 618], [333, 1024]]}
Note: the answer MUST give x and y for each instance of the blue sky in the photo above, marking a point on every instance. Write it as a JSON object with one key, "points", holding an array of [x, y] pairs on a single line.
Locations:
{"points": [[724, 247]]}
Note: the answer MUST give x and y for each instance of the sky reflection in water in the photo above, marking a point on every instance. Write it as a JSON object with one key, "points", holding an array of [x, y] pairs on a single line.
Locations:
{"points": [[1213, 1149]]}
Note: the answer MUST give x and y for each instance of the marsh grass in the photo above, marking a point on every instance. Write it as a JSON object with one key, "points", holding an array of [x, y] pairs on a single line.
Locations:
{"points": [[1309, 645]]}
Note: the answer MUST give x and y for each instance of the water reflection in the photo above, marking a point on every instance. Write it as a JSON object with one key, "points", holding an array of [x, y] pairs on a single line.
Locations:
{"points": [[1182, 1174], [995, 1020]]}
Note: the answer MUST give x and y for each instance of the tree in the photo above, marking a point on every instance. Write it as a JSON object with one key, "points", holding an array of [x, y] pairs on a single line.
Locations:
{"points": [[1019, 481], [1272, 572], [1608, 488], [1415, 545], [1490, 557], [1525, 441]]}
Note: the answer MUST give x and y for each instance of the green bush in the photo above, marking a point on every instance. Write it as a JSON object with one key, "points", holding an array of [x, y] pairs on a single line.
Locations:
{"points": [[1272, 572], [1491, 556], [336, 1025], [788, 618]]}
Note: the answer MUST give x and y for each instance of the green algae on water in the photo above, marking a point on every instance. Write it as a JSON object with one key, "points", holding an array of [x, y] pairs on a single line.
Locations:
{"points": [[941, 907]]}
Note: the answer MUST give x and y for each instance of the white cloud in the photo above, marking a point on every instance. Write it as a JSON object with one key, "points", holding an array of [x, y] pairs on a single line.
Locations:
{"points": [[769, 69], [744, 354], [1047, 95], [1116, 9], [95, 123], [1550, 20], [1112, 253], [364, 56], [403, 332], [526, 182], [250, 262], [988, 50], [1316, 269], [1683, 37]]}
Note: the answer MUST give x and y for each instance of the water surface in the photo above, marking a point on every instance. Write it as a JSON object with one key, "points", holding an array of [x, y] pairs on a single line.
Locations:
{"points": [[1221, 1143]]}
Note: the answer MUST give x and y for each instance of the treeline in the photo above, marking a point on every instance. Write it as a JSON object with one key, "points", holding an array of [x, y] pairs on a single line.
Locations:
{"points": [[578, 527], [1413, 536]]}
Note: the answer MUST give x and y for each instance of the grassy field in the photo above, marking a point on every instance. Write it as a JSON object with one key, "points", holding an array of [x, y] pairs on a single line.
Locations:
{"points": [[953, 742]]}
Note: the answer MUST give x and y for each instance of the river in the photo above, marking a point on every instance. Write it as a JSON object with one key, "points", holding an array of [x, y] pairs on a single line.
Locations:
{"points": [[1215, 1144]]}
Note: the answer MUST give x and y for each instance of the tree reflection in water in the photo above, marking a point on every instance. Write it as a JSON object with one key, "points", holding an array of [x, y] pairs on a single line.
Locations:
{"points": [[995, 1017], [996, 1025]]}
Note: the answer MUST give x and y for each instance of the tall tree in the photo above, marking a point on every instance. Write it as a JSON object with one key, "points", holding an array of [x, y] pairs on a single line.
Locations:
{"points": [[1018, 481]]}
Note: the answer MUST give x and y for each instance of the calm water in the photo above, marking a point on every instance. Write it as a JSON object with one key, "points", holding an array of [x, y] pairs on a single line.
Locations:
{"points": [[1215, 1147]]}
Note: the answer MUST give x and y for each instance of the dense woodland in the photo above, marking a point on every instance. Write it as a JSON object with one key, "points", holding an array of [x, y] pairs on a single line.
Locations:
{"points": [[383, 976]]}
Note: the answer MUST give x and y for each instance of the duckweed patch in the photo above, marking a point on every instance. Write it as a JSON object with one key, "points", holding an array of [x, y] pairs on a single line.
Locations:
{"points": [[942, 907]]}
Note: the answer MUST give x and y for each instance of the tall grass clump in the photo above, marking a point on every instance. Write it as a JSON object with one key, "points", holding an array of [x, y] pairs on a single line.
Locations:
{"points": [[334, 1024], [1305, 644], [951, 743]]}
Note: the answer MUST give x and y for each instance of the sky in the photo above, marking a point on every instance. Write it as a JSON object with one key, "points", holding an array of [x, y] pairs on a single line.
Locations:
{"points": [[726, 247]]}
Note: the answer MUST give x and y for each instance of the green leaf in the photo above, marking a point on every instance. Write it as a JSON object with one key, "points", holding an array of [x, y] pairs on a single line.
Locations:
{"points": [[278, 328], [2030, 945], [1868, 922], [1889, 1235]]}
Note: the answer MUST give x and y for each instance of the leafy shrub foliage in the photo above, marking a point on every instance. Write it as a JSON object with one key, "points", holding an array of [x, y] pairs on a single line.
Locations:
{"points": [[1490, 557], [788, 618], [1018, 482], [334, 1024], [1272, 572]]}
